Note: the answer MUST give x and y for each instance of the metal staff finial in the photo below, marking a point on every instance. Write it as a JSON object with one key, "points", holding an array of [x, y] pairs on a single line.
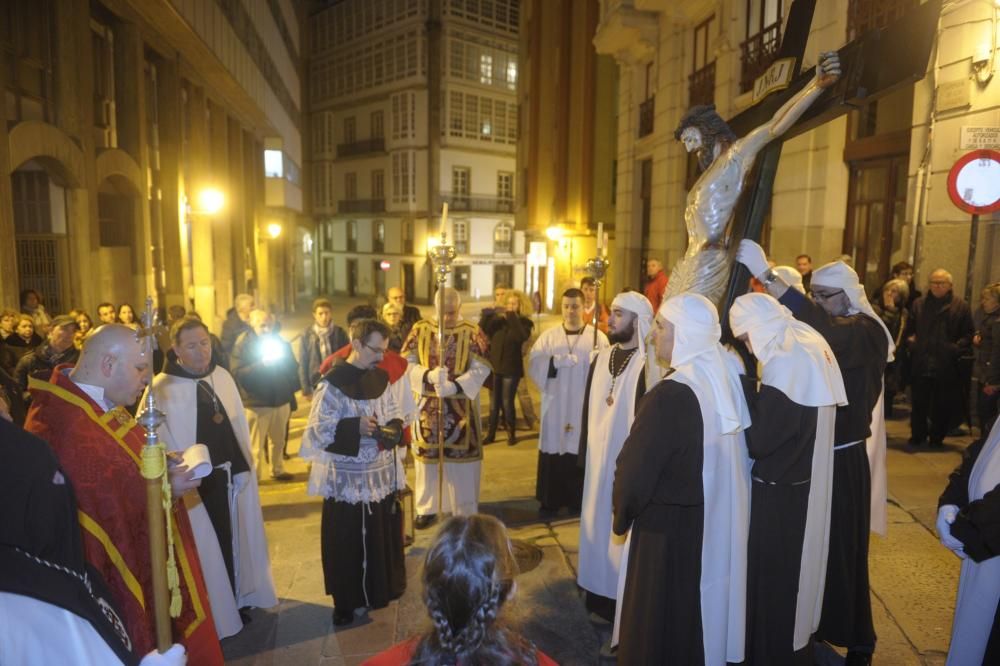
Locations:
{"points": [[597, 267], [442, 256]]}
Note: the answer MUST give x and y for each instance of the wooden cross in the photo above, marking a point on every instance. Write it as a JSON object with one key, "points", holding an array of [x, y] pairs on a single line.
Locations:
{"points": [[874, 65]]}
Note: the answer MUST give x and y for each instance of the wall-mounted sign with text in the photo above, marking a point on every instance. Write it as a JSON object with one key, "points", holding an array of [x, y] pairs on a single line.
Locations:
{"points": [[976, 138]]}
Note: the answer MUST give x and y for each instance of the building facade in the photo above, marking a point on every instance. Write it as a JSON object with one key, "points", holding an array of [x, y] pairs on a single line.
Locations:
{"points": [[125, 122], [412, 104], [566, 152], [871, 184]]}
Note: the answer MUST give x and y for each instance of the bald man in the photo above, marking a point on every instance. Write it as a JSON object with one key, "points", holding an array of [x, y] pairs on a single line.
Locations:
{"points": [[80, 411], [456, 380], [411, 315]]}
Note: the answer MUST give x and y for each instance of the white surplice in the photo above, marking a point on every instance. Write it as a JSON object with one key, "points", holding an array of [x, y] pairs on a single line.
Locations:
{"points": [[562, 395], [600, 551], [177, 397]]}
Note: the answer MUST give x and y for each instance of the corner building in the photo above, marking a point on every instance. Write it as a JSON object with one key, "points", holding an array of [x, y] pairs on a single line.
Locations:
{"points": [[871, 184], [411, 104], [119, 114]]}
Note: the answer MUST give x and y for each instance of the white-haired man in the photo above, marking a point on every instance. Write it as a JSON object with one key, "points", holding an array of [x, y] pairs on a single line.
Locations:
{"points": [[841, 313], [452, 383]]}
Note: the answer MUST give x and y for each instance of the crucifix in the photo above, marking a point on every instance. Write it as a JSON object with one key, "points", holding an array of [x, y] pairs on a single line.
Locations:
{"points": [[733, 193]]}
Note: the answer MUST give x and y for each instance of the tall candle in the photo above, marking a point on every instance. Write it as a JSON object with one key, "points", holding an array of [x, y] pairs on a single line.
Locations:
{"points": [[444, 218], [600, 237], [605, 244]]}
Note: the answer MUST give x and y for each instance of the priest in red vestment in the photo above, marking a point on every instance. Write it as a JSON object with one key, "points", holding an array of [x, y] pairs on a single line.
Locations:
{"points": [[80, 413]]}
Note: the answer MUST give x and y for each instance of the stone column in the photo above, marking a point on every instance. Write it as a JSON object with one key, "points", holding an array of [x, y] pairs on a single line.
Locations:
{"points": [[8, 246], [222, 224], [201, 235]]}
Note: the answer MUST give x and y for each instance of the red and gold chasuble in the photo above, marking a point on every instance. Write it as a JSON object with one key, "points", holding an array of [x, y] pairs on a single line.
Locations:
{"points": [[101, 453], [464, 344]]}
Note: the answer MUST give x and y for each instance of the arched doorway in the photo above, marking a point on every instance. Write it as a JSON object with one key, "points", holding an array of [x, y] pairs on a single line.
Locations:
{"points": [[39, 188]]}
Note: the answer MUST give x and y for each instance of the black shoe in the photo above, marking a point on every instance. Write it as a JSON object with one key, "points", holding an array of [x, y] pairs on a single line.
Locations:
{"points": [[545, 513], [511, 437], [857, 659], [936, 444], [425, 521], [284, 476], [915, 441], [342, 618], [490, 438]]}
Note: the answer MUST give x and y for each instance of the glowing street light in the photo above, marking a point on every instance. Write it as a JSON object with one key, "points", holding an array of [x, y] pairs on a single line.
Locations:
{"points": [[210, 201], [274, 229], [555, 233]]}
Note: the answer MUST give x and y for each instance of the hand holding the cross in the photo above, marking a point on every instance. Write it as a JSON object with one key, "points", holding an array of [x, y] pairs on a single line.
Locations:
{"points": [[828, 69]]}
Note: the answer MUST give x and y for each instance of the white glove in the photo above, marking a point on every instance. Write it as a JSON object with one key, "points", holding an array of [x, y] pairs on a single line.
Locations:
{"points": [[175, 656], [446, 390], [946, 516], [437, 375], [752, 256]]}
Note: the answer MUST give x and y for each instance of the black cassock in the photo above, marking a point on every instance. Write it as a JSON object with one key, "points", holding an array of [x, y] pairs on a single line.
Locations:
{"points": [[781, 440], [977, 526], [861, 347], [658, 494]]}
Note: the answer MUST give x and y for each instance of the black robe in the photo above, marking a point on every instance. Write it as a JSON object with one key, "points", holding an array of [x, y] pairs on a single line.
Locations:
{"points": [[860, 346], [658, 493], [781, 442], [361, 544]]}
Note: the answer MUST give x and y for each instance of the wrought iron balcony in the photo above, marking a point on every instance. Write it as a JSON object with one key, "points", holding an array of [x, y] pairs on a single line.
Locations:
{"points": [[701, 85], [361, 147], [647, 111], [476, 203], [361, 206], [758, 52]]}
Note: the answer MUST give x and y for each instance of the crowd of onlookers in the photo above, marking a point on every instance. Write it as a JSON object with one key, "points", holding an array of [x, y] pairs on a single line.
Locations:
{"points": [[947, 361]]}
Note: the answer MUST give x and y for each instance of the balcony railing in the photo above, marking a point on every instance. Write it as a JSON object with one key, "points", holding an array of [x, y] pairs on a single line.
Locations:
{"points": [[701, 85], [647, 111], [758, 52], [476, 203], [361, 206], [361, 147]]}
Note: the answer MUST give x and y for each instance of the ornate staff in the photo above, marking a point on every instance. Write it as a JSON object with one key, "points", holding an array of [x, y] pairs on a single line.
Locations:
{"points": [[597, 268], [442, 256], [166, 594]]}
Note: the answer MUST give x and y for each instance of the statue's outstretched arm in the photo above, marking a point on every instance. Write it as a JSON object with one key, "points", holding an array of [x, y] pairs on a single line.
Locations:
{"points": [[827, 73]]}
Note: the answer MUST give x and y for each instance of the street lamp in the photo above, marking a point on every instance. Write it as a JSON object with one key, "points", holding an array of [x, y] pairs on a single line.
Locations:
{"points": [[210, 201], [274, 229]]}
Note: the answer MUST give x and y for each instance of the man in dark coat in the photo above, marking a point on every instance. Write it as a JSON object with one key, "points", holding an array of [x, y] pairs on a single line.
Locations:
{"points": [[411, 315], [267, 376], [57, 349], [237, 321], [319, 340], [941, 335]]}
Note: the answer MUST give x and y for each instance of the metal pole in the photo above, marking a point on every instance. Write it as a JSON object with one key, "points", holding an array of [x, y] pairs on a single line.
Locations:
{"points": [[441, 257], [971, 266], [154, 470]]}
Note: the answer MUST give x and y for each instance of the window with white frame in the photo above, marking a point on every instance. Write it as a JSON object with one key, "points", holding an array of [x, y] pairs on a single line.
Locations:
{"points": [[403, 177], [503, 238], [403, 112], [460, 235], [505, 186], [377, 125], [350, 130], [489, 62], [502, 15], [375, 62], [483, 118], [378, 184], [408, 236], [460, 181], [378, 236], [352, 236]]}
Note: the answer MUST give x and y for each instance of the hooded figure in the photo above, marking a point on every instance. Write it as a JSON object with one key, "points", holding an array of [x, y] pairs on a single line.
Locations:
{"points": [[615, 383], [681, 493], [861, 344], [791, 443]]}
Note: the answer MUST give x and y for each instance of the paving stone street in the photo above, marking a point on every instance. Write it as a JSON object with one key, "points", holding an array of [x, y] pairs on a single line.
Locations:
{"points": [[913, 578]]}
